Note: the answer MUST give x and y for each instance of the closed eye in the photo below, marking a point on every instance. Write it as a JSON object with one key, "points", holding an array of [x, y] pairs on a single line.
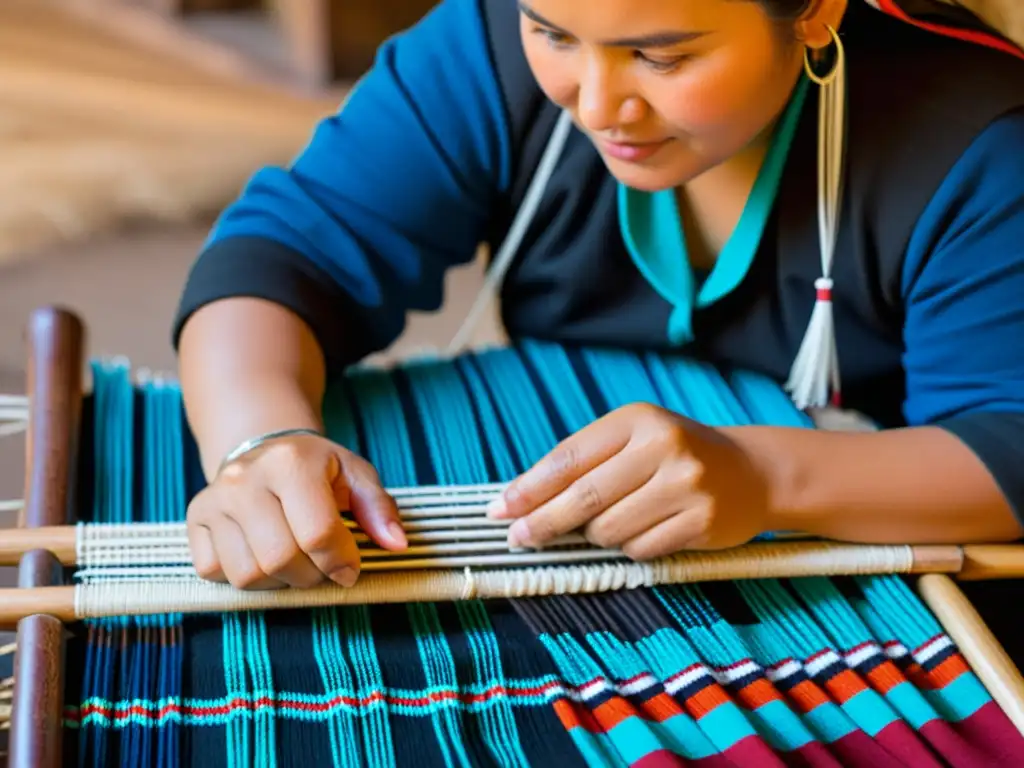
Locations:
{"points": [[662, 65]]}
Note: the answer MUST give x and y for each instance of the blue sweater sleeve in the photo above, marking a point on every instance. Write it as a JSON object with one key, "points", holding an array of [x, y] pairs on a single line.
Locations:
{"points": [[390, 192], [964, 297]]}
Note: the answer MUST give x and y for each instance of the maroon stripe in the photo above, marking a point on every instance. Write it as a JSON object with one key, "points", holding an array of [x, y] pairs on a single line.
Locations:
{"points": [[905, 744], [665, 759], [986, 738]]}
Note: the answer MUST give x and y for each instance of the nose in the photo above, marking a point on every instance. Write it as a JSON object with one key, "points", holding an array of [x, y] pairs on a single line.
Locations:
{"points": [[604, 101]]}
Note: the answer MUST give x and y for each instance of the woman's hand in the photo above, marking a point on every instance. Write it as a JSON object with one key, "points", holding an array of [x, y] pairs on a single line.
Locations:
{"points": [[642, 479], [272, 518]]}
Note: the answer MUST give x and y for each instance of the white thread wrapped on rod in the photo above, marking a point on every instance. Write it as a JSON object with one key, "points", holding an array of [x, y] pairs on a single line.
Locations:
{"points": [[816, 365], [180, 593]]}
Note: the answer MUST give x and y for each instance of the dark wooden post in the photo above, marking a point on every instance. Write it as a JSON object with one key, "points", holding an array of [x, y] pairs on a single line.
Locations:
{"points": [[56, 348]]}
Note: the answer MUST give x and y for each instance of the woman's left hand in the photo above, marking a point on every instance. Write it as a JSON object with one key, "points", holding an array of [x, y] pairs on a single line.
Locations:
{"points": [[641, 479]]}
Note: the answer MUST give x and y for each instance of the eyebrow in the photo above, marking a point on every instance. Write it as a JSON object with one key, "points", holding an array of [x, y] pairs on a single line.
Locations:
{"points": [[653, 40]]}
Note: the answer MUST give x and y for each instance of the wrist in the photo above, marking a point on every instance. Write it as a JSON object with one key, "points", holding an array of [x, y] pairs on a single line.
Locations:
{"points": [[773, 454], [250, 410]]}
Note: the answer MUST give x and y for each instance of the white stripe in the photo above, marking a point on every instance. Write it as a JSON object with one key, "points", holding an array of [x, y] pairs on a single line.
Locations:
{"points": [[858, 657], [688, 678], [814, 668], [933, 649], [896, 651], [732, 674], [784, 670]]}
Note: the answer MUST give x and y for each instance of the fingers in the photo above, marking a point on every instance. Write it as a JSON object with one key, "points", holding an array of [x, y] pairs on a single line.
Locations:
{"points": [[584, 499], [357, 487], [570, 460], [312, 515], [272, 542], [685, 530], [235, 559], [645, 508], [204, 553]]}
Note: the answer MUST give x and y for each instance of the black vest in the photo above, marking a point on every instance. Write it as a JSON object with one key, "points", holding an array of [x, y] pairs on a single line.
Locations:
{"points": [[916, 101]]}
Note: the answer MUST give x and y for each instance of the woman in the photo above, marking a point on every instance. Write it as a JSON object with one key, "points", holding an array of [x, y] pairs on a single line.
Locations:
{"points": [[681, 211]]}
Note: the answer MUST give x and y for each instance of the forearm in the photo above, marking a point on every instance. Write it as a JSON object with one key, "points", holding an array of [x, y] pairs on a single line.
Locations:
{"points": [[247, 367], [914, 485]]}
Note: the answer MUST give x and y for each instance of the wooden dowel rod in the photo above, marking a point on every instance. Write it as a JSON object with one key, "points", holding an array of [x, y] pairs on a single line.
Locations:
{"points": [[57, 602], [979, 646], [379, 584], [58, 539], [987, 562]]}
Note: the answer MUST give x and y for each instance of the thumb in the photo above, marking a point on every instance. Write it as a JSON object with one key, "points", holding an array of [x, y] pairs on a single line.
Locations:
{"points": [[357, 488]]}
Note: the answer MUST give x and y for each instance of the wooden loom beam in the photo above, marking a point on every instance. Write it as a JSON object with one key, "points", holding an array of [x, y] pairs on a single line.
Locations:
{"points": [[54, 385]]}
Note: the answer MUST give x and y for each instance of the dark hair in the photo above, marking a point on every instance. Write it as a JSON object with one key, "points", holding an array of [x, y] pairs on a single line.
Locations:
{"points": [[785, 10]]}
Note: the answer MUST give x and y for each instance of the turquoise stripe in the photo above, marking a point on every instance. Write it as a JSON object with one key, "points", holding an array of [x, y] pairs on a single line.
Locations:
{"points": [[870, 711], [258, 656], [519, 406], [594, 749], [237, 747], [387, 448], [832, 612], [634, 740], [765, 401], [830, 722], [621, 377], [445, 414], [334, 675], [913, 707], [712, 400], [779, 725], [683, 736], [439, 669], [959, 699], [501, 734], [376, 722], [338, 416], [560, 381], [497, 445]]}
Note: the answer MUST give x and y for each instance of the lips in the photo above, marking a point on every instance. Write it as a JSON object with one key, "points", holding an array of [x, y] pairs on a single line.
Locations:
{"points": [[633, 152]]}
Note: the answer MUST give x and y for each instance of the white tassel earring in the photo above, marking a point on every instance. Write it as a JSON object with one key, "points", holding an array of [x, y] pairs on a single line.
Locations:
{"points": [[816, 367]]}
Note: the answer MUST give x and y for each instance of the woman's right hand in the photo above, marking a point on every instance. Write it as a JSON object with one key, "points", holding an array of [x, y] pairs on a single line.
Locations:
{"points": [[272, 517]]}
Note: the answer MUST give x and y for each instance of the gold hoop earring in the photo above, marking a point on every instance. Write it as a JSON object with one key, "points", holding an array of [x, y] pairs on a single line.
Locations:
{"points": [[829, 78]]}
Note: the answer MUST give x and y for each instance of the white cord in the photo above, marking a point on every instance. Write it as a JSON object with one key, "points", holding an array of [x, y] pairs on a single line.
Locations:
{"points": [[13, 428], [510, 246], [816, 366], [13, 414]]}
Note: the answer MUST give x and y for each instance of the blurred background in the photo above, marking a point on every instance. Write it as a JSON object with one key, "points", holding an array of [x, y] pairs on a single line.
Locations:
{"points": [[126, 126]]}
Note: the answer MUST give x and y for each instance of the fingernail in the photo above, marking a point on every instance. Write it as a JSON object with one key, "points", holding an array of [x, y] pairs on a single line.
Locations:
{"points": [[518, 534], [497, 508], [345, 576], [397, 534]]}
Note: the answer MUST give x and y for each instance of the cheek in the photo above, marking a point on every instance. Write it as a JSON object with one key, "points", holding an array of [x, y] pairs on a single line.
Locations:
{"points": [[552, 70], [726, 97]]}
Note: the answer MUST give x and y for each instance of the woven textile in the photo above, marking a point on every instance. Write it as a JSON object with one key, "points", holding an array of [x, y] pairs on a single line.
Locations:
{"points": [[804, 672]]}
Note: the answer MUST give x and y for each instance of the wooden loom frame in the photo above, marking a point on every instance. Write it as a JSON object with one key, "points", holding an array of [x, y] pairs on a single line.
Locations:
{"points": [[56, 344]]}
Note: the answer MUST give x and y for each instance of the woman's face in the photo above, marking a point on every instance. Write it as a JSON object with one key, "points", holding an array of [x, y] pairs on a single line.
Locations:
{"points": [[666, 89]]}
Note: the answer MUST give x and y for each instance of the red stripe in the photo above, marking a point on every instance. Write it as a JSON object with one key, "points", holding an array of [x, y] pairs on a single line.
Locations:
{"points": [[966, 35], [757, 694], [885, 677], [660, 708], [241, 704], [844, 686]]}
